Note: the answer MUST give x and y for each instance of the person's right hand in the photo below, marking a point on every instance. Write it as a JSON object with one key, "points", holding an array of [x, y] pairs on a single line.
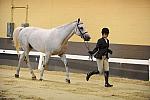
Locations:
{"points": [[90, 52]]}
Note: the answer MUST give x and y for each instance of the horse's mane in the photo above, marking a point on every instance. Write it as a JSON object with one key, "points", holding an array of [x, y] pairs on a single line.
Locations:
{"points": [[65, 25]]}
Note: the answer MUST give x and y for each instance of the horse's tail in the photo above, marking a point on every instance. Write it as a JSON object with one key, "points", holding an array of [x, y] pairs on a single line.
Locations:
{"points": [[15, 38]]}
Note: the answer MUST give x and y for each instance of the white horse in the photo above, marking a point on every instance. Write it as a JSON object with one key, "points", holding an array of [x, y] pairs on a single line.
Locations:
{"points": [[49, 41]]}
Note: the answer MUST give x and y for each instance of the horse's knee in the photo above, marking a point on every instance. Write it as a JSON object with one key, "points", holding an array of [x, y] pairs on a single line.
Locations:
{"points": [[67, 64], [25, 59]]}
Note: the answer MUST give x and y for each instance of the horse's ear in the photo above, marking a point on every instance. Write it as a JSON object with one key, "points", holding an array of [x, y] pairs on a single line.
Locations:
{"points": [[78, 20]]}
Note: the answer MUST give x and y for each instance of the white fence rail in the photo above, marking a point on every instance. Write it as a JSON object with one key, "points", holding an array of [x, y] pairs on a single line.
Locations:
{"points": [[80, 57]]}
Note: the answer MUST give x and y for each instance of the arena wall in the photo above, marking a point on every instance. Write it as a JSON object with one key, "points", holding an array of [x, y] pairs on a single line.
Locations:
{"points": [[133, 71]]}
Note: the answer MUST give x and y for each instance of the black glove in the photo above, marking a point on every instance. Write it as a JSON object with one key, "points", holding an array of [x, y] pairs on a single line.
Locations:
{"points": [[90, 52], [110, 51]]}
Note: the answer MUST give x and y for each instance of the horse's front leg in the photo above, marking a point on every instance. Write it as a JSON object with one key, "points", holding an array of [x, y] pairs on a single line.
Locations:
{"points": [[46, 59], [63, 58]]}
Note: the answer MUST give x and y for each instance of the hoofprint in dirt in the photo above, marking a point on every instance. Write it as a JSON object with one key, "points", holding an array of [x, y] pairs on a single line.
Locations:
{"points": [[55, 88]]}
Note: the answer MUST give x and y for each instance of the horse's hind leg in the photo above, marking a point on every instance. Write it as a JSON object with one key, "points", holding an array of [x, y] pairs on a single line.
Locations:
{"points": [[63, 58], [19, 63], [28, 63]]}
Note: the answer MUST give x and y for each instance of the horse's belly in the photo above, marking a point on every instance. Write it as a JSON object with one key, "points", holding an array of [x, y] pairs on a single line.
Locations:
{"points": [[60, 51]]}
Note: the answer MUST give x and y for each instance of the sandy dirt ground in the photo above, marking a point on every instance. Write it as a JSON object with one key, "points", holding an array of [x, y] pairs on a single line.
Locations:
{"points": [[54, 87]]}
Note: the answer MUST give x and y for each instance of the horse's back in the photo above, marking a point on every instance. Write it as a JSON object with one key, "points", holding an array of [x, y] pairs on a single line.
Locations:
{"points": [[34, 36]]}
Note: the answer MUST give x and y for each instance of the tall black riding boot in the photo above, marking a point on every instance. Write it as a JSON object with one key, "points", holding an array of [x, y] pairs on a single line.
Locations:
{"points": [[89, 74], [106, 74]]}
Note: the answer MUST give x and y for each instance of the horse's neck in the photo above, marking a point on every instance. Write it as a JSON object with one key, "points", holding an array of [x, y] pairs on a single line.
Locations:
{"points": [[66, 32]]}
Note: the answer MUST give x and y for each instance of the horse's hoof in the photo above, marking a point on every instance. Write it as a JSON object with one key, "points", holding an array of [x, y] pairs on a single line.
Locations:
{"points": [[40, 79], [68, 81], [34, 78], [16, 76]]}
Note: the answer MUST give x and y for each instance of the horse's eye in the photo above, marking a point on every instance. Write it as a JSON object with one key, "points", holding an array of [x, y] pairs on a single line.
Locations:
{"points": [[81, 28]]}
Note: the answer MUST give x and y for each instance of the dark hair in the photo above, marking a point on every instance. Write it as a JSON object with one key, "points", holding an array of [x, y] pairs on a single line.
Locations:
{"points": [[105, 31]]}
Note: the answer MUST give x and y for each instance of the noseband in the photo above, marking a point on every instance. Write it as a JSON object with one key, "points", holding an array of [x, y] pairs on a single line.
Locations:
{"points": [[86, 43]]}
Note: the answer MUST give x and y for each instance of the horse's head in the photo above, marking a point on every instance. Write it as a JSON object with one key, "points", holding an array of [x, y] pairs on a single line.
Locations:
{"points": [[80, 31]]}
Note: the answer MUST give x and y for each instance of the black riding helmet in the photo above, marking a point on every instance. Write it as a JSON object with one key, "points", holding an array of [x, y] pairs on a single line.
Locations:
{"points": [[105, 31]]}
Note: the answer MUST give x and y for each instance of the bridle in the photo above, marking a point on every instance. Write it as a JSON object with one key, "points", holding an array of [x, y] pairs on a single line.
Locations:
{"points": [[82, 34], [85, 42]]}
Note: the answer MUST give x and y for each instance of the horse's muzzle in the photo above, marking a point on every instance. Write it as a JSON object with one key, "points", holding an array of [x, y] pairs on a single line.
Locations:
{"points": [[86, 37]]}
